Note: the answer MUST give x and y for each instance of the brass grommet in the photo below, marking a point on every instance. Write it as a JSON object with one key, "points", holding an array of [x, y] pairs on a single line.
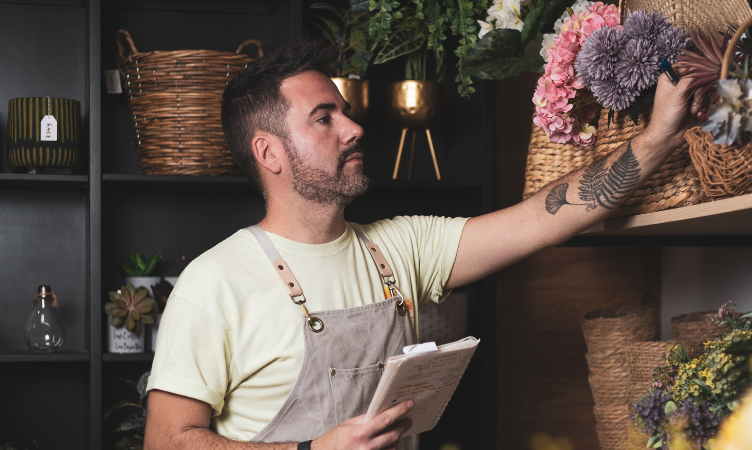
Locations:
{"points": [[332, 372], [291, 284], [381, 365], [401, 308], [281, 267], [315, 324]]}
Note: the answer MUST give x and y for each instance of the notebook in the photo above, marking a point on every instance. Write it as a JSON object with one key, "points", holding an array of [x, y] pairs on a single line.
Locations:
{"points": [[429, 378]]}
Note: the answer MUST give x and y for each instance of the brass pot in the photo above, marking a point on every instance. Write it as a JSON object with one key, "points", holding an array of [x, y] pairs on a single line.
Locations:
{"points": [[355, 92], [414, 104]]}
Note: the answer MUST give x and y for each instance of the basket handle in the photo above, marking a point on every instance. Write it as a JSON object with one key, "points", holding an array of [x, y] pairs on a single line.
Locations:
{"points": [[730, 53], [248, 42], [121, 50], [622, 11]]}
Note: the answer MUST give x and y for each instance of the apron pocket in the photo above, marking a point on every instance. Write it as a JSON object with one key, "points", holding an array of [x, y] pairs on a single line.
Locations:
{"points": [[353, 390]]}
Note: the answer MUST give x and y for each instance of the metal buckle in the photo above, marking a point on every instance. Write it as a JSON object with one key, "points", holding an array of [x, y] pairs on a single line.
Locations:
{"points": [[298, 302], [315, 324], [400, 307]]}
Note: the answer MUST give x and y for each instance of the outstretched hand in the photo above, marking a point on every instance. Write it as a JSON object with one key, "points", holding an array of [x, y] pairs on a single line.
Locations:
{"points": [[382, 432], [674, 112]]}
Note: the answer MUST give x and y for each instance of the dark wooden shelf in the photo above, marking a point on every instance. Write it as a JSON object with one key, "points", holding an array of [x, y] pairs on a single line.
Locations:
{"points": [[726, 222], [40, 181], [29, 356], [128, 357]]}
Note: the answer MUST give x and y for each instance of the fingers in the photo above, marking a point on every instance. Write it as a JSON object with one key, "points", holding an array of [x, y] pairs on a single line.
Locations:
{"points": [[391, 436], [388, 417]]}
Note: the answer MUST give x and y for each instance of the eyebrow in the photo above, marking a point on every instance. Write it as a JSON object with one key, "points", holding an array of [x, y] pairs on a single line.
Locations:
{"points": [[327, 107]]}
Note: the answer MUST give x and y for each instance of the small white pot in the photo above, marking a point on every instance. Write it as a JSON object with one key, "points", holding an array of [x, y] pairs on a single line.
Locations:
{"points": [[154, 330], [146, 282], [171, 280], [120, 340]]}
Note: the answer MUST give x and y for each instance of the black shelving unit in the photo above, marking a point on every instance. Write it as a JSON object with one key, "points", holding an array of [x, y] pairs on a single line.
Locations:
{"points": [[70, 230]]}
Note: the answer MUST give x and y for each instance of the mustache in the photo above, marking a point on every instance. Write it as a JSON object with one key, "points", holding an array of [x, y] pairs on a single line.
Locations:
{"points": [[357, 148]]}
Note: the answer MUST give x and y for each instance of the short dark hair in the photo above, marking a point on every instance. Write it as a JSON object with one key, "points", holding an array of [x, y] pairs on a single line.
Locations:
{"points": [[253, 102]]}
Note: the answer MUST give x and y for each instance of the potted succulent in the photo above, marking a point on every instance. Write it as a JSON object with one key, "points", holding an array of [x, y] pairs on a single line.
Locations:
{"points": [[138, 270], [346, 29], [130, 306]]}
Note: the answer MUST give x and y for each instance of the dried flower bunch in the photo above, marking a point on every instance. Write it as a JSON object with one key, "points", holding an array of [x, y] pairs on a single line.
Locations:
{"points": [[563, 109], [618, 65], [688, 398]]}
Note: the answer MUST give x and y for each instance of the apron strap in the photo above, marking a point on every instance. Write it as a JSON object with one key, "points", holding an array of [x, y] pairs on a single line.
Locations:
{"points": [[384, 269], [280, 266]]}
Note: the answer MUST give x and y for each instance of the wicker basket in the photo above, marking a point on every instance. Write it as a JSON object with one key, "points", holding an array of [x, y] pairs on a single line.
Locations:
{"points": [[610, 330], [697, 326], [176, 100], [692, 15], [611, 426], [644, 357], [725, 171], [675, 184], [548, 161]]}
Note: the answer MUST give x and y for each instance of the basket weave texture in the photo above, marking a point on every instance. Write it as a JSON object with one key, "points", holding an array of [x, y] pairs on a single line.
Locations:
{"points": [[724, 171], [675, 184], [548, 161], [697, 326], [608, 332], [644, 357], [175, 99], [692, 15]]}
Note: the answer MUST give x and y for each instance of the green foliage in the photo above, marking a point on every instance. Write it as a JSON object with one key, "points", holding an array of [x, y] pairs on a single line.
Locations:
{"points": [[506, 53], [135, 266], [348, 34], [132, 424], [438, 17], [7, 446]]}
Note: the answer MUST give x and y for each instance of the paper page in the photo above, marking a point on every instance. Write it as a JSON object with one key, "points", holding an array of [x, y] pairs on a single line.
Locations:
{"points": [[429, 380]]}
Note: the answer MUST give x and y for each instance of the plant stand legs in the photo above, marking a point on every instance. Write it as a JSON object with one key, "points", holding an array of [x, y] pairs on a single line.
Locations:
{"points": [[412, 155]]}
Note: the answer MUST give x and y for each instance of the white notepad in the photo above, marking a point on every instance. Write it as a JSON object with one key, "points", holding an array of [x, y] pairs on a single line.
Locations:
{"points": [[429, 379]]}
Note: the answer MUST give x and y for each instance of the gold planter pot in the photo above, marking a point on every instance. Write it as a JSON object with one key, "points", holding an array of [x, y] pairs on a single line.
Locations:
{"points": [[355, 92], [414, 105]]}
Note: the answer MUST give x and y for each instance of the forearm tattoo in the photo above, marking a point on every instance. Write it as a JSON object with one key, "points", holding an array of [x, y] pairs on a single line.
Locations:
{"points": [[599, 187]]}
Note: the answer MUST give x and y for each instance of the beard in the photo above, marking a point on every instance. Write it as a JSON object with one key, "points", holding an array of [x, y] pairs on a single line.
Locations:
{"points": [[317, 185]]}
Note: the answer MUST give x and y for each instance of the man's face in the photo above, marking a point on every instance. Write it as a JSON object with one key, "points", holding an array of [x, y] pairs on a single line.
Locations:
{"points": [[326, 160]]}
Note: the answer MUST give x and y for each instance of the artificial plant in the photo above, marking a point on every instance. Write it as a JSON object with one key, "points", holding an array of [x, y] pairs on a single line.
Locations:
{"points": [[440, 17], [346, 30]]}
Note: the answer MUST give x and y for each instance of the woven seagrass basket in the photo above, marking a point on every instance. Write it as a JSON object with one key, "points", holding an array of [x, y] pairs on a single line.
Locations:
{"points": [[725, 171], [175, 99], [548, 161], [644, 357], [694, 15], [697, 326], [611, 426]]}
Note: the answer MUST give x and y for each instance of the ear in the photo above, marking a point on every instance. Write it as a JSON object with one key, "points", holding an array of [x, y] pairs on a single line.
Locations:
{"points": [[266, 149]]}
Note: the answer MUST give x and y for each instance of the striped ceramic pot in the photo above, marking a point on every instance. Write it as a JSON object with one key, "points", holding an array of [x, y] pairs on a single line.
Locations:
{"points": [[26, 149]]}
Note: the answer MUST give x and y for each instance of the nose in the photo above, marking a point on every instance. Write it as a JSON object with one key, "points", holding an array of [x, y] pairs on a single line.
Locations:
{"points": [[352, 132]]}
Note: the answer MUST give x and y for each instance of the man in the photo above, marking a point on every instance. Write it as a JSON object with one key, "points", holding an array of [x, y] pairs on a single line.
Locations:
{"points": [[233, 345]]}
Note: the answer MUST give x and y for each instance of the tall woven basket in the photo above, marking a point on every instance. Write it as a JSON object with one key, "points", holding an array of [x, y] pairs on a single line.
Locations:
{"points": [[608, 332], [548, 161], [697, 326], [725, 171], [677, 182], [175, 99]]}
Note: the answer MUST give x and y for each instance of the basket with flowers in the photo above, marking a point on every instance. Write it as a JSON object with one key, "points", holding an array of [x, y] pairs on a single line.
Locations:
{"points": [[688, 398]]}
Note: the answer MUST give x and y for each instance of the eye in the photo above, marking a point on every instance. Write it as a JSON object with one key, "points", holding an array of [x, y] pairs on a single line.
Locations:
{"points": [[325, 119]]}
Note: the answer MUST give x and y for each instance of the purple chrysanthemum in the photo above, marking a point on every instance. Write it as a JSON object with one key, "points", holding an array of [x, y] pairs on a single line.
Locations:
{"points": [[645, 25], [638, 67], [599, 55], [671, 43], [612, 94]]}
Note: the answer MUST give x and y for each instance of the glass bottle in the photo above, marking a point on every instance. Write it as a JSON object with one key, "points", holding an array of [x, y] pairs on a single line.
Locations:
{"points": [[44, 332]]}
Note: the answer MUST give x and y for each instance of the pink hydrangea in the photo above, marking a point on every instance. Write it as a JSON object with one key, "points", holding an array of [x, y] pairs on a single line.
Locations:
{"points": [[560, 111]]}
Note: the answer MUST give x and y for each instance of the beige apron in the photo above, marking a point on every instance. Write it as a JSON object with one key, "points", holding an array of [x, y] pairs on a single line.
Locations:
{"points": [[345, 352]]}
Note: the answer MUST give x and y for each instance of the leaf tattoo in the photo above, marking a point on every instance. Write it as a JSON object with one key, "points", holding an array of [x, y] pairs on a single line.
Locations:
{"points": [[557, 198], [598, 187]]}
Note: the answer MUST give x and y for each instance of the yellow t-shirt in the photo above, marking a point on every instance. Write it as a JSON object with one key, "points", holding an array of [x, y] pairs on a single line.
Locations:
{"points": [[231, 337]]}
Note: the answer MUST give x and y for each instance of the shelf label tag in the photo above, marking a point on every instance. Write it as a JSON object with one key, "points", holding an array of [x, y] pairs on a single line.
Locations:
{"points": [[112, 80], [49, 128]]}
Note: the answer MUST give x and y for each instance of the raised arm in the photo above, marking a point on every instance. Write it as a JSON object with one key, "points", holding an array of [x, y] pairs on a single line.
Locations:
{"points": [[577, 201]]}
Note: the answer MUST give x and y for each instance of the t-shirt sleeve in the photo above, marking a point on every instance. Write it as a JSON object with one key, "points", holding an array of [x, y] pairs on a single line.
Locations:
{"points": [[435, 241], [193, 354]]}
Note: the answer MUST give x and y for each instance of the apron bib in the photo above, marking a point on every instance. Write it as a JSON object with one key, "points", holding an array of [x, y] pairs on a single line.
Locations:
{"points": [[344, 355]]}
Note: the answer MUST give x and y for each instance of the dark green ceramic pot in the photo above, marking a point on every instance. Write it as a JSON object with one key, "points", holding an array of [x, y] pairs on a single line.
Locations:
{"points": [[26, 150]]}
